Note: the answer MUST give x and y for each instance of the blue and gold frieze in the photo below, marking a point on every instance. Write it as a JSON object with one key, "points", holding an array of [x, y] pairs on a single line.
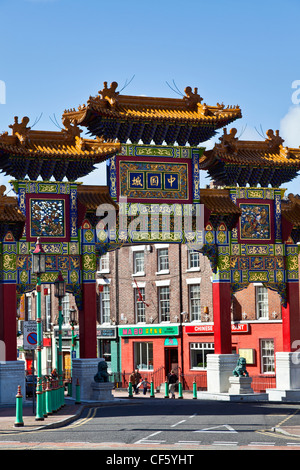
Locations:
{"points": [[50, 209], [158, 181], [149, 180], [254, 193], [160, 151]]}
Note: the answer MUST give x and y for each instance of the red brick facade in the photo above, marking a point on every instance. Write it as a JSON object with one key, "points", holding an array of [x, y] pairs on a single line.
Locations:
{"points": [[255, 336], [190, 339]]}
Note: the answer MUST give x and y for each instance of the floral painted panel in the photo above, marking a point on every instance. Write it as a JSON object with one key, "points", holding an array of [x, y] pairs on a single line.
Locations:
{"points": [[255, 222], [47, 218]]}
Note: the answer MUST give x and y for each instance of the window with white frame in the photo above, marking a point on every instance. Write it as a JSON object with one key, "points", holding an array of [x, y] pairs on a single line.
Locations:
{"points": [[164, 303], [140, 311], [143, 355], [194, 300], [104, 263], [138, 262], [29, 307], [198, 354], [48, 360], [105, 304], [267, 355], [193, 260], [262, 303], [65, 303], [163, 259]]}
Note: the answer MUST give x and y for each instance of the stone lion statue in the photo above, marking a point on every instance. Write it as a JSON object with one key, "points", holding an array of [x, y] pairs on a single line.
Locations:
{"points": [[102, 374], [240, 370]]}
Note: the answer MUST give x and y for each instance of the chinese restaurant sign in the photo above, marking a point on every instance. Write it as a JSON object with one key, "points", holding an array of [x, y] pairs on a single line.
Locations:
{"points": [[149, 331]]}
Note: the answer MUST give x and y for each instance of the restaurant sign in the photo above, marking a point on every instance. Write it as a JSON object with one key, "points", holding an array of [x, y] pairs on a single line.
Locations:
{"points": [[235, 328], [149, 331]]}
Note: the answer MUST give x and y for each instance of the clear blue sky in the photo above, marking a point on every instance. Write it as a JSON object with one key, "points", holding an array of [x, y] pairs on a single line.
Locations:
{"points": [[56, 53]]}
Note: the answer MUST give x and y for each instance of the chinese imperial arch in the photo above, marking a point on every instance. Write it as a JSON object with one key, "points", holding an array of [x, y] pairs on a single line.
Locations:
{"points": [[154, 157]]}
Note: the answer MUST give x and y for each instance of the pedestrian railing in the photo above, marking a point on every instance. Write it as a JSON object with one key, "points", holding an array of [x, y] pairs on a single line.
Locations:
{"points": [[192, 381]]}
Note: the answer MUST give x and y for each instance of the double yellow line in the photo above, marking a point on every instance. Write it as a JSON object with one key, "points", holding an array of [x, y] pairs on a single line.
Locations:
{"points": [[91, 414]]}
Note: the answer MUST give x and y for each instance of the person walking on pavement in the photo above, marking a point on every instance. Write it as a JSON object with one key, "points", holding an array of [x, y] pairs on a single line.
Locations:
{"points": [[144, 383], [173, 379], [132, 379], [137, 379]]}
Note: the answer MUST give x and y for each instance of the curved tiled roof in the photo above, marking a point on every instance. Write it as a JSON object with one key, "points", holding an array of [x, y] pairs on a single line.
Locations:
{"points": [[234, 161], [135, 118], [11, 218], [47, 153]]}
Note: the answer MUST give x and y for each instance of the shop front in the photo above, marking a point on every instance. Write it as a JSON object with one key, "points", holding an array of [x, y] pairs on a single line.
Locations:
{"points": [[257, 341], [153, 350], [108, 348]]}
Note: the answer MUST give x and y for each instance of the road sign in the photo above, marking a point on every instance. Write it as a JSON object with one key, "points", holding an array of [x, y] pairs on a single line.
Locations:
{"points": [[30, 334]]}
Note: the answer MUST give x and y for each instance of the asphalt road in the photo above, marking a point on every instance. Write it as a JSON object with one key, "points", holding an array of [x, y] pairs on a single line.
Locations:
{"points": [[176, 426]]}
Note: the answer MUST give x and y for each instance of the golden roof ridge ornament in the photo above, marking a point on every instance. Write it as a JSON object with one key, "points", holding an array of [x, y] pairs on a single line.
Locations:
{"points": [[71, 129], [274, 140], [110, 94], [192, 98]]}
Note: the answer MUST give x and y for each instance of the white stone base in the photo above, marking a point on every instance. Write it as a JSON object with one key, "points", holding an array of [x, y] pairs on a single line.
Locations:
{"points": [[240, 385], [283, 395], [219, 369], [253, 397], [101, 391], [84, 370], [287, 378], [12, 374], [287, 371]]}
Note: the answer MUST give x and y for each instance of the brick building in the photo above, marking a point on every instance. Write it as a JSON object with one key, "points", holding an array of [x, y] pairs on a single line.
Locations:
{"points": [[49, 306], [163, 311], [155, 312]]}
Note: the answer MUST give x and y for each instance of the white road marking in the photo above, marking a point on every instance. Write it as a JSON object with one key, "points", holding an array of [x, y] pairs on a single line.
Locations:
{"points": [[224, 443], [216, 429], [179, 422], [145, 440], [189, 442], [261, 444]]}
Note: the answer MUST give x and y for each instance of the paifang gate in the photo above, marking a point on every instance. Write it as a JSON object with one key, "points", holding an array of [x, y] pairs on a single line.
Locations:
{"points": [[152, 146]]}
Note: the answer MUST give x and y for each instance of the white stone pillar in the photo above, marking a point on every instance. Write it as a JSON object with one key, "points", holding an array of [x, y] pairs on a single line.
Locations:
{"points": [[219, 368], [12, 374], [287, 377], [84, 370]]}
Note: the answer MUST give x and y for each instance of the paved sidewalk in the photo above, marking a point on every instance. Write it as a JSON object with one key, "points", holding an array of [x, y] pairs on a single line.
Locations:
{"points": [[72, 411]]}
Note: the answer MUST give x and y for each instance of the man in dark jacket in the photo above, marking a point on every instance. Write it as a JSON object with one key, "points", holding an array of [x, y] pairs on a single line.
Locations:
{"points": [[172, 382], [137, 379]]}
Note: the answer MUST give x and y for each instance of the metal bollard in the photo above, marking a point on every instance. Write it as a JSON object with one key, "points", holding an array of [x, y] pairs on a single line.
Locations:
{"points": [[62, 392], [194, 389], [152, 388], [180, 389], [54, 396], [130, 395], [19, 408], [77, 402], [44, 398], [48, 398], [166, 388]]}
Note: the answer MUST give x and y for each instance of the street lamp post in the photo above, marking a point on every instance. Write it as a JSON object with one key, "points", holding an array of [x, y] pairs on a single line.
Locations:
{"points": [[72, 322], [59, 292], [38, 267]]}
